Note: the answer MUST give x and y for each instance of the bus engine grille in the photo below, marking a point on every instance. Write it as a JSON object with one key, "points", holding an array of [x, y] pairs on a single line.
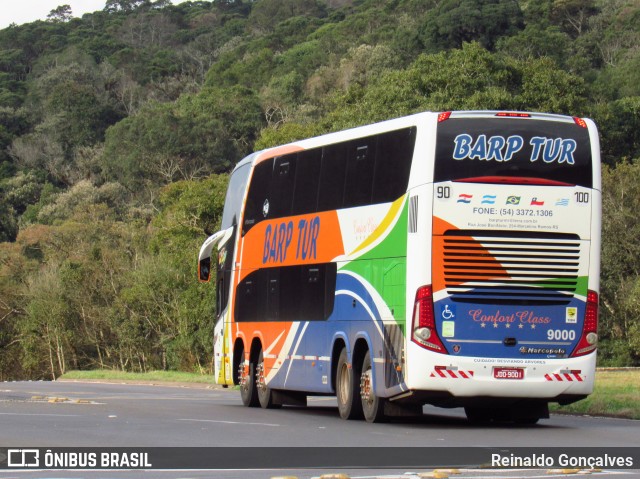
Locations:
{"points": [[522, 268]]}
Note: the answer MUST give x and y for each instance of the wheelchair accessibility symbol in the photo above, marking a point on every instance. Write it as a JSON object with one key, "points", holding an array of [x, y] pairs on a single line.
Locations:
{"points": [[448, 313]]}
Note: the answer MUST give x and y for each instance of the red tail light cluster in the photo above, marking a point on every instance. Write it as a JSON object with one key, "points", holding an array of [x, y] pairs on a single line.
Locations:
{"points": [[423, 330], [512, 114], [580, 122], [589, 339], [444, 116]]}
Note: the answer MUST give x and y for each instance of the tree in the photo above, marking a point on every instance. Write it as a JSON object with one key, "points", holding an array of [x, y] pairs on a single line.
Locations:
{"points": [[162, 297], [266, 14], [148, 30], [536, 42], [123, 5], [8, 221], [462, 79], [14, 268], [207, 132], [454, 22], [61, 13], [573, 15], [619, 122], [620, 275]]}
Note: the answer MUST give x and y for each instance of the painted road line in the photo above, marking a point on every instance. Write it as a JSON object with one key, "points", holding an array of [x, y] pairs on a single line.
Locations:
{"points": [[37, 414], [232, 422]]}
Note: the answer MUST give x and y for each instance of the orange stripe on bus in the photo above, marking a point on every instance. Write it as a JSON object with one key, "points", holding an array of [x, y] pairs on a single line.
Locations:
{"points": [[279, 151], [306, 239]]}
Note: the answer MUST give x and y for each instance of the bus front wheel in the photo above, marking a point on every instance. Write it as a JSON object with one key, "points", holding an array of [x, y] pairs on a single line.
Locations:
{"points": [[348, 389]]}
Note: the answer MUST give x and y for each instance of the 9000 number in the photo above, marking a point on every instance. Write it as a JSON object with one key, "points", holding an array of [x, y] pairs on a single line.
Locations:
{"points": [[561, 335]]}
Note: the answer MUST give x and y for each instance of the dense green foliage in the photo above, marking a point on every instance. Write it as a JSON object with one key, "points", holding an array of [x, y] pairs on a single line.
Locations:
{"points": [[117, 130]]}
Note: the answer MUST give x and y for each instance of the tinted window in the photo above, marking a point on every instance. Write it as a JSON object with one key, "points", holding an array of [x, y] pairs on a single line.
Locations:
{"points": [[305, 196], [288, 293], [332, 176], [361, 156], [358, 172], [235, 195], [281, 187], [258, 194], [251, 297], [474, 148], [224, 265], [393, 164]]}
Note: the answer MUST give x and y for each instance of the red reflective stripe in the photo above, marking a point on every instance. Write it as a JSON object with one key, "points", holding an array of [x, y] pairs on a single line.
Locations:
{"points": [[512, 180]]}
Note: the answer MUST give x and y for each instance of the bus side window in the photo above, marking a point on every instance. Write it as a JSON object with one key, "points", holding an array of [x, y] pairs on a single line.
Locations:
{"points": [[393, 164], [273, 294], [332, 176], [257, 199], [251, 297], [360, 163], [281, 186], [317, 291], [287, 293], [305, 193]]}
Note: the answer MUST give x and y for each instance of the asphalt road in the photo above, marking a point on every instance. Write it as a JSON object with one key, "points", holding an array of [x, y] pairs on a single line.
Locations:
{"points": [[81, 414]]}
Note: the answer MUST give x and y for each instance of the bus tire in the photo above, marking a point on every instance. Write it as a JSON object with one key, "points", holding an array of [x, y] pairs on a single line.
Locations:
{"points": [[348, 389], [372, 405], [265, 394], [248, 391]]}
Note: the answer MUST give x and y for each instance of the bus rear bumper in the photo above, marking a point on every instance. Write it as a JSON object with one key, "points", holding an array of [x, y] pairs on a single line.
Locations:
{"points": [[553, 380]]}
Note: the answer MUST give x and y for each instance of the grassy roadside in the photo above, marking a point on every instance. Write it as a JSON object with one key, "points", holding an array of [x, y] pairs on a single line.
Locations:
{"points": [[617, 392], [152, 376]]}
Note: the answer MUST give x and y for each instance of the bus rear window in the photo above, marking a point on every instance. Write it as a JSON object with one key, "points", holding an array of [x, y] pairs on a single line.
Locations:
{"points": [[495, 150]]}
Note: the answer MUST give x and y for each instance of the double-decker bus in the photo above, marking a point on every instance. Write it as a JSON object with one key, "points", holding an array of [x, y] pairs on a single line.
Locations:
{"points": [[445, 258]]}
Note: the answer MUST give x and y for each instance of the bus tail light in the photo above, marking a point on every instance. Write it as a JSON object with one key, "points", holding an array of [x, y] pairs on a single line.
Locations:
{"points": [[580, 122], [424, 325], [513, 114], [444, 116], [589, 339]]}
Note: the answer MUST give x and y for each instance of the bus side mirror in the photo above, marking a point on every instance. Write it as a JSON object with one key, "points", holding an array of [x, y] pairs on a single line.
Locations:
{"points": [[204, 270]]}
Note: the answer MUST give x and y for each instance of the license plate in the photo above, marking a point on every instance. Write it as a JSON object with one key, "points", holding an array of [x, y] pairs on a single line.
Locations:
{"points": [[508, 373]]}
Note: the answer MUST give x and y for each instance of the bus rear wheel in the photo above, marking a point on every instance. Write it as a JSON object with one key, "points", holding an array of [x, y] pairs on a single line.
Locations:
{"points": [[372, 405], [247, 382], [348, 389], [265, 394]]}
